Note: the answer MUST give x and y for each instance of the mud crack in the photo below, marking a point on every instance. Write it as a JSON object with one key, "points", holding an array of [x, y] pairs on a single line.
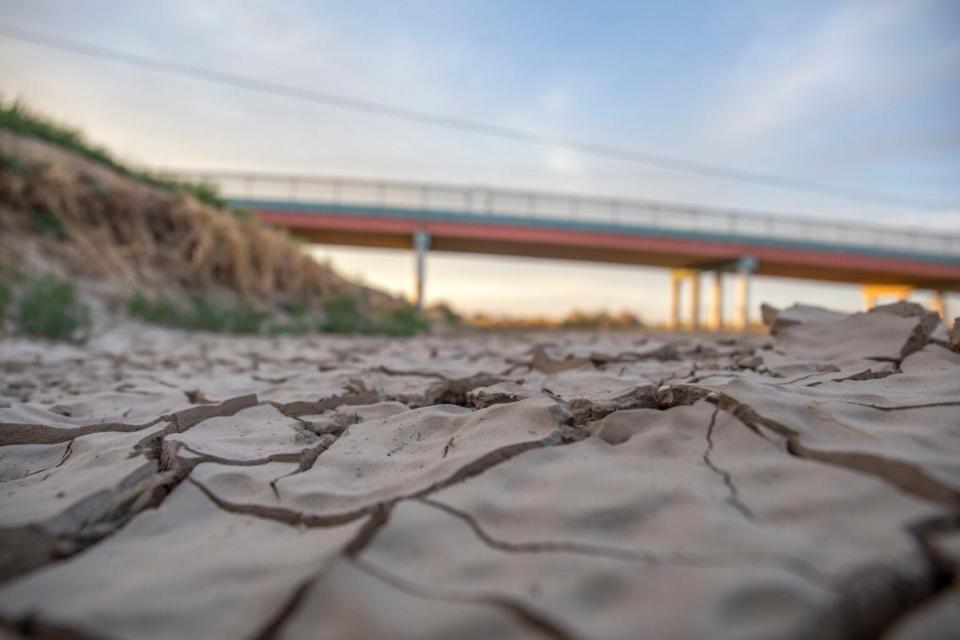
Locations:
{"points": [[733, 498]]}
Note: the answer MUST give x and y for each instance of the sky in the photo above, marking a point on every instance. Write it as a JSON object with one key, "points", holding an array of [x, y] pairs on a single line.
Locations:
{"points": [[858, 94]]}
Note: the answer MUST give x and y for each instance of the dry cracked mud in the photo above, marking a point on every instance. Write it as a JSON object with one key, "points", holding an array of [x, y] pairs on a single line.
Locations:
{"points": [[804, 484]]}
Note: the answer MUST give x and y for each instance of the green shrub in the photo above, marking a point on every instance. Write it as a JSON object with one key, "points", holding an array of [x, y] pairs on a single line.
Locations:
{"points": [[49, 224], [200, 315], [93, 186], [158, 311], [50, 307], [405, 321], [14, 164], [344, 315], [6, 297], [204, 192], [206, 317], [295, 308], [138, 305], [297, 320], [11, 274], [242, 318], [18, 118]]}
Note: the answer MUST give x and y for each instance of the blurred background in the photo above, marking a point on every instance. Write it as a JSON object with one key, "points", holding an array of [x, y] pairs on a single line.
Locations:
{"points": [[848, 111]]}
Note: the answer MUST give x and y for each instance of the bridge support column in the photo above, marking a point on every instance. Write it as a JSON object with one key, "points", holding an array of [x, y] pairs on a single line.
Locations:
{"points": [[873, 291], [421, 243], [939, 304], [676, 289], [745, 269], [677, 276], [694, 300], [716, 301], [743, 301]]}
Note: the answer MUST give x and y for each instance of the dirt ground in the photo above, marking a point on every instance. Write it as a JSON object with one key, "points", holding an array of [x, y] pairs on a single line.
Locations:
{"points": [[806, 484]]}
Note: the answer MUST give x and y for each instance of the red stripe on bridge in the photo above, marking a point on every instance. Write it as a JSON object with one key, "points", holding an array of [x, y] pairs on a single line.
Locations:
{"points": [[671, 251]]}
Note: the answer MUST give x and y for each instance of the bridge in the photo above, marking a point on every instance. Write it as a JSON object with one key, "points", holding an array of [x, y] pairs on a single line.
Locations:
{"points": [[688, 240]]}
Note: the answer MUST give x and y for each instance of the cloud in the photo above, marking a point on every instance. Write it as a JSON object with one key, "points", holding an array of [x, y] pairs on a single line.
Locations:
{"points": [[564, 161], [850, 59]]}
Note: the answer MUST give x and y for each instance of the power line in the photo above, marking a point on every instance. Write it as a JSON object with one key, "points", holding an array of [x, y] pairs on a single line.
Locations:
{"points": [[472, 126]]}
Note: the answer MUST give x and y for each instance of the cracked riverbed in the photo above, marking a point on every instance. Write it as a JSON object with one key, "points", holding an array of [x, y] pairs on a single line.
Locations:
{"points": [[803, 484]]}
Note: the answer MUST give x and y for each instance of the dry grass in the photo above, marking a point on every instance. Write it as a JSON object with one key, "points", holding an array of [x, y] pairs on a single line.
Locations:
{"points": [[101, 224]]}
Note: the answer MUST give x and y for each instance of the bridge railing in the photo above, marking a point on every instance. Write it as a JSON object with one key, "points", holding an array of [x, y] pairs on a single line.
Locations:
{"points": [[484, 201]]}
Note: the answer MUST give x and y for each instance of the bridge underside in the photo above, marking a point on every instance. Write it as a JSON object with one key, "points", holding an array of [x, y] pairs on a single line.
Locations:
{"points": [[626, 247]]}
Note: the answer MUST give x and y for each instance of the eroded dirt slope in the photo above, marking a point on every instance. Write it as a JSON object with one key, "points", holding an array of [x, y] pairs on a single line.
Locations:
{"points": [[116, 235], [803, 485]]}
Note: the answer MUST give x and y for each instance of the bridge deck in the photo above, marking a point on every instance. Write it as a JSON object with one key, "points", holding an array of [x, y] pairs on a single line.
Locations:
{"points": [[615, 242]]}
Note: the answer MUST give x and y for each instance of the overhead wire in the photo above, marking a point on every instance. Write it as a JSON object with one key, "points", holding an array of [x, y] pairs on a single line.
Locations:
{"points": [[351, 103]]}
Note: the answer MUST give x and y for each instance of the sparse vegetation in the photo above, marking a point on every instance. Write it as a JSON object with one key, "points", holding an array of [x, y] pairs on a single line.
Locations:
{"points": [[405, 321], [297, 319], [49, 223], [6, 297], [49, 307], [236, 318], [11, 274], [295, 308], [93, 187], [13, 164], [223, 273], [200, 315], [343, 315], [145, 237], [157, 311], [600, 320]]}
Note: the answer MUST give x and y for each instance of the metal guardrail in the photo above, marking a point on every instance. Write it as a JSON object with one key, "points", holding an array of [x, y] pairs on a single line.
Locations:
{"points": [[477, 200]]}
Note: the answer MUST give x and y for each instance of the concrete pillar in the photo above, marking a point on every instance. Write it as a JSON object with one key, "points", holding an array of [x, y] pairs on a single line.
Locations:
{"points": [[745, 268], [694, 301], [743, 300], [716, 308], [676, 288], [939, 304], [421, 243]]}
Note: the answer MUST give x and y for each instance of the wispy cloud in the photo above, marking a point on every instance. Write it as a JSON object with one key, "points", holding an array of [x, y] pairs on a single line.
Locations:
{"points": [[849, 59]]}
